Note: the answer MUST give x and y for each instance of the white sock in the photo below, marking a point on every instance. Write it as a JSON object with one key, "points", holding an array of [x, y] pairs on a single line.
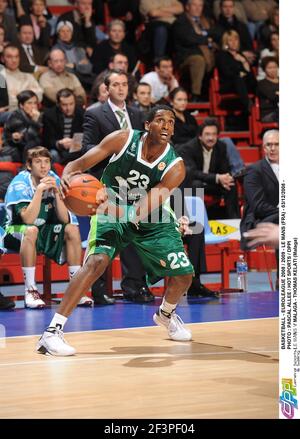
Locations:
{"points": [[167, 308], [29, 278], [58, 321], [73, 270]]}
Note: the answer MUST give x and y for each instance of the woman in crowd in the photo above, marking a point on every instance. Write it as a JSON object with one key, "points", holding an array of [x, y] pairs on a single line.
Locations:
{"points": [[235, 71], [185, 124]]}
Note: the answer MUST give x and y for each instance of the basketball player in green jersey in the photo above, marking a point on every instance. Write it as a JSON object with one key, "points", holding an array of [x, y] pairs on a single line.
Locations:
{"points": [[145, 163]]}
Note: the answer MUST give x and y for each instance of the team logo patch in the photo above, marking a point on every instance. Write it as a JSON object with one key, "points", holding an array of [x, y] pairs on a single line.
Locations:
{"points": [[162, 263], [161, 166]]}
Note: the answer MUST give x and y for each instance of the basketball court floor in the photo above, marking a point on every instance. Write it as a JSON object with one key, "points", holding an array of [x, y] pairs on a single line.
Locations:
{"points": [[126, 368]]}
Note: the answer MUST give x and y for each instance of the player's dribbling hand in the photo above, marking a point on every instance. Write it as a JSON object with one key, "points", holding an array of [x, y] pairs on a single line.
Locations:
{"points": [[65, 183]]}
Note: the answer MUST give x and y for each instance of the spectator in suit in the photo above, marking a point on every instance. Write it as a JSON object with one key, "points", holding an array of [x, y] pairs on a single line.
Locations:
{"points": [[261, 186], [207, 166], [84, 29], [115, 43], [261, 189], [57, 77], [38, 20], [32, 56], [60, 123], [98, 123], [193, 45]]}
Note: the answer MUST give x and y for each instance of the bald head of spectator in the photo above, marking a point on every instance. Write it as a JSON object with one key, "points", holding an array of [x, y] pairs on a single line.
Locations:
{"points": [[57, 61]]}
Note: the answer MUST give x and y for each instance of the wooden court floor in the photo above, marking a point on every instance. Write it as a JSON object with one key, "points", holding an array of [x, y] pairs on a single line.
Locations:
{"points": [[229, 370]]}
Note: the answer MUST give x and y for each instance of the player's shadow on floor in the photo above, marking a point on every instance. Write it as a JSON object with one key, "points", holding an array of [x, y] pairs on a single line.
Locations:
{"points": [[156, 356]]}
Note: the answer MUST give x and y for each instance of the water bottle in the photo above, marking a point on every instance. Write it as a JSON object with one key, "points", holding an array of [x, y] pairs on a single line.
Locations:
{"points": [[242, 273]]}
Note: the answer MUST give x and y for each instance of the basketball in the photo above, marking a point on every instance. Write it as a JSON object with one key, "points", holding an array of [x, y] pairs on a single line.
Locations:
{"points": [[81, 196]]}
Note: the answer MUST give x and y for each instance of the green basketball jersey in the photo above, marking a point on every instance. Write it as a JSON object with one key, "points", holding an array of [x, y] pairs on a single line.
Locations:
{"points": [[130, 177]]}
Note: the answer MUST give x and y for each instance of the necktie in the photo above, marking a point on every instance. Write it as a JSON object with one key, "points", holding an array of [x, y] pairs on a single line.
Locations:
{"points": [[122, 121], [29, 54]]}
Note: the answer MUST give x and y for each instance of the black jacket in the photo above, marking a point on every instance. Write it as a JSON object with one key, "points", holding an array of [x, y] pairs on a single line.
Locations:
{"points": [[18, 121], [186, 40], [224, 25], [192, 155], [101, 121], [261, 189], [53, 125]]}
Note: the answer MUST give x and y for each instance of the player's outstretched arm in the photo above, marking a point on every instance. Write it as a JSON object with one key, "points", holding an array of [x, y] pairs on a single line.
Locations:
{"points": [[111, 144]]}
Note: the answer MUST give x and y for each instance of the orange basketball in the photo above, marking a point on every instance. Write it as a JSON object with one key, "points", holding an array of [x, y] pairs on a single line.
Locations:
{"points": [[81, 196]]}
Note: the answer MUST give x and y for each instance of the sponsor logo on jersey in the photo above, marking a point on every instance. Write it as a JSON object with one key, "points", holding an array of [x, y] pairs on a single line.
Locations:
{"points": [[162, 263], [161, 166]]}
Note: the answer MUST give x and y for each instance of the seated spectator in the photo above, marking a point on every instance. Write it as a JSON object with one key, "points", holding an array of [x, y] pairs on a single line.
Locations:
{"points": [[162, 79], [235, 71], [128, 10], [8, 22], [115, 43], [84, 34], [261, 188], [238, 10], [193, 45], [142, 98], [21, 132], [15, 81], [268, 91], [58, 77], [60, 123], [39, 222], [119, 61], [207, 167], [32, 56], [186, 127], [257, 11], [271, 50], [227, 22], [77, 61], [38, 19], [271, 25], [159, 16]]}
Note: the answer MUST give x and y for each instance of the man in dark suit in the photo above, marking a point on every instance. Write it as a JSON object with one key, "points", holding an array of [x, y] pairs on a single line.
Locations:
{"points": [[60, 123], [261, 187], [98, 123], [207, 166], [32, 56]]}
